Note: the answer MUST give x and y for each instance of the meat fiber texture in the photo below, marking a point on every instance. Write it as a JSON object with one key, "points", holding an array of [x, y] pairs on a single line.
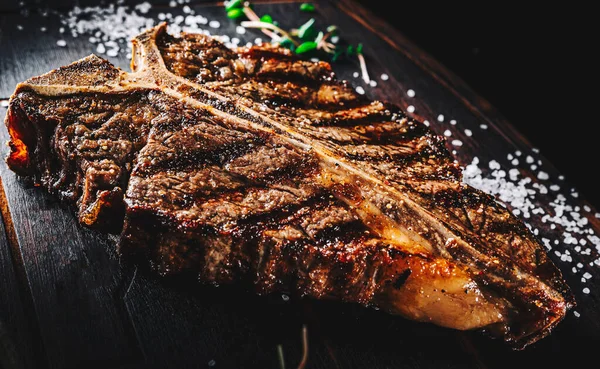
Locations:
{"points": [[256, 165]]}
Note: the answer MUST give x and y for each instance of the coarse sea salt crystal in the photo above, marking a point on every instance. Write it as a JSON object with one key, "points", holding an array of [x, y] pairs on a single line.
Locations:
{"points": [[447, 133], [61, 43], [355, 74], [410, 109], [410, 93], [543, 175], [440, 118], [468, 132], [483, 126], [453, 122], [360, 90], [457, 142], [384, 77], [373, 83]]}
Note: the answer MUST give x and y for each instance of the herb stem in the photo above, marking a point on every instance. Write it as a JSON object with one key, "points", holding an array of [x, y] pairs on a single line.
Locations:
{"points": [[255, 18], [281, 358], [304, 359], [266, 27], [363, 68]]}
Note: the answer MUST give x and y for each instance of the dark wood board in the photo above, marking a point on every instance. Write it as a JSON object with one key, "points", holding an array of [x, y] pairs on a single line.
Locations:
{"points": [[69, 303]]}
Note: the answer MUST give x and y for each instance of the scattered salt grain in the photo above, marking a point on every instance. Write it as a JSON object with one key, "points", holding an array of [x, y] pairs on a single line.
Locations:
{"points": [[577, 315], [410, 109], [483, 126], [410, 93], [61, 43], [212, 363], [4, 103], [447, 133], [440, 118], [468, 132], [372, 83], [360, 90], [586, 291], [214, 24], [384, 77], [335, 39], [100, 49], [355, 74], [453, 122], [240, 30], [43, 29], [285, 297], [143, 7], [457, 142], [543, 175], [426, 122]]}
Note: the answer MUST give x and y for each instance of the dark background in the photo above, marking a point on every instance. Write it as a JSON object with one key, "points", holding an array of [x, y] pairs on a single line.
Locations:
{"points": [[535, 65]]}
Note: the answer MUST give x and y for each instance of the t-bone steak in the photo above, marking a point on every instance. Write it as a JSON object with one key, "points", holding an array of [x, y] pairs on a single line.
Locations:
{"points": [[256, 165]]}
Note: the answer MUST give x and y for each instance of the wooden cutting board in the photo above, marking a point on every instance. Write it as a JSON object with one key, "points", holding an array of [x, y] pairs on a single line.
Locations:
{"points": [[66, 300]]}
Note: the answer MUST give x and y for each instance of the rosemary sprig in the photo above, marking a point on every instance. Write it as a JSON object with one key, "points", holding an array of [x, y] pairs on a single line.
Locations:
{"points": [[302, 40]]}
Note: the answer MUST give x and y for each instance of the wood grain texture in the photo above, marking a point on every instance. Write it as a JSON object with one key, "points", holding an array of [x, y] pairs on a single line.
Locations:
{"points": [[91, 311], [17, 343]]}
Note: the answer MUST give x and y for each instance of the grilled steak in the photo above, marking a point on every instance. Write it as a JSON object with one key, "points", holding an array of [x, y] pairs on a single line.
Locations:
{"points": [[253, 164]]}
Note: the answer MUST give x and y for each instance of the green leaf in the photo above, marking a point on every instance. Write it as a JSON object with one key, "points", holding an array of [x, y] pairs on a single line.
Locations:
{"points": [[307, 29], [350, 50], [286, 42], [307, 7], [235, 13], [233, 4], [266, 18], [306, 47], [359, 48], [337, 55]]}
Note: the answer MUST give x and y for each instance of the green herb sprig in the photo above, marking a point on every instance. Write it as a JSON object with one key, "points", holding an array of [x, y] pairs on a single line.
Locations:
{"points": [[302, 40]]}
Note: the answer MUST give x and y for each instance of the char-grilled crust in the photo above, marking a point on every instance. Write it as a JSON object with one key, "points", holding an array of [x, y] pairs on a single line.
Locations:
{"points": [[254, 164]]}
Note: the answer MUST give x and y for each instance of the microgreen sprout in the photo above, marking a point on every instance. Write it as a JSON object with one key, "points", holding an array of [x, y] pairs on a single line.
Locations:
{"points": [[307, 7], [302, 40]]}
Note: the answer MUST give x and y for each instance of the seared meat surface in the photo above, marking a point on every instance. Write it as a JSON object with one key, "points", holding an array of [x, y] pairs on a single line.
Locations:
{"points": [[253, 164]]}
